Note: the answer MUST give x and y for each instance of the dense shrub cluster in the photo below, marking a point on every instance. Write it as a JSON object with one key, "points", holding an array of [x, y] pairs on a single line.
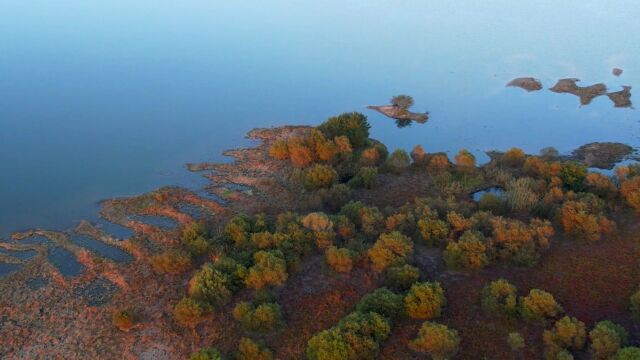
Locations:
{"points": [[382, 301], [607, 338], [538, 306], [519, 243], [397, 161], [419, 156], [573, 175], [249, 349], [627, 353], [189, 312], [425, 300], [354, 126], [630, 190], [465, 161], [359, 334], [516, 341], [437, 340], [320, 176], [401, 277], [468, 253], [195, 239], [567, 334], [366, 177], [439, 163], [356, 336], [172, 261], [263, 318], [333, 159], [269, 269], [499, 298], [339, 259], [207, 354], [583, 220], [514, 157], [390, 249]]}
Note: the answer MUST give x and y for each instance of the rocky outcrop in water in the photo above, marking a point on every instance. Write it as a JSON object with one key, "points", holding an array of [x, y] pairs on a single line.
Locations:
{"points": [[616, 71], [527, 83], [622, 98], [586, 93], [404, 117], [602, 155]]}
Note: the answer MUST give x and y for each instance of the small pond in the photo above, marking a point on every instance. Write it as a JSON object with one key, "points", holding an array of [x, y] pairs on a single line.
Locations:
{"points": [[65, 261], [37, 283], [97, 292], [498, 191], [192, 210], [6, 269], [162, 222], [105, 250], [115, 230], [19, 254]]}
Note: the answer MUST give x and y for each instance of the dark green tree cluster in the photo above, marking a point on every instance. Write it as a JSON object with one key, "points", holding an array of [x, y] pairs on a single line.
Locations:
{"points": [[261, 318], [359, 334]]}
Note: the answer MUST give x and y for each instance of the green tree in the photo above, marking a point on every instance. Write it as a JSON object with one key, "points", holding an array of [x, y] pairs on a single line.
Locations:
{"points": [[249, 349], [211, 286], [390, 249], [269, 269], [366, 177], [573, 175], [207, 354], [356, 336], [433, 231], [401, 277], [606, 339], [320, 176], [172, 261], [189, 312], [397, 161], [465, 161], [352, 125], [513, 157], [468, 253], [237, 229], [402, 101], [516, 341], [538, 306], [382, 301], [499, 298], [264, 318], [339, 259], [628, 353], [436, 340], [567, 333], [194, 238], [279, 150], [425, 300]]}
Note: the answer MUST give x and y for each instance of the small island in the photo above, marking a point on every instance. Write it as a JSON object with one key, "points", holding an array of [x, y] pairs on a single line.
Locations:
{"points": [[622, 98], [399, 110], [586, 93], [527, 83]]}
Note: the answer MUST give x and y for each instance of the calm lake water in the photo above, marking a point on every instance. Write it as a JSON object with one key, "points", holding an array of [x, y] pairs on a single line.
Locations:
{"points": [[106, 99]]}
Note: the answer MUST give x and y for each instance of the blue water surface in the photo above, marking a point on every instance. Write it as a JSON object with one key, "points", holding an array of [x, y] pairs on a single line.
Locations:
{"points": [[111, 98]]}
